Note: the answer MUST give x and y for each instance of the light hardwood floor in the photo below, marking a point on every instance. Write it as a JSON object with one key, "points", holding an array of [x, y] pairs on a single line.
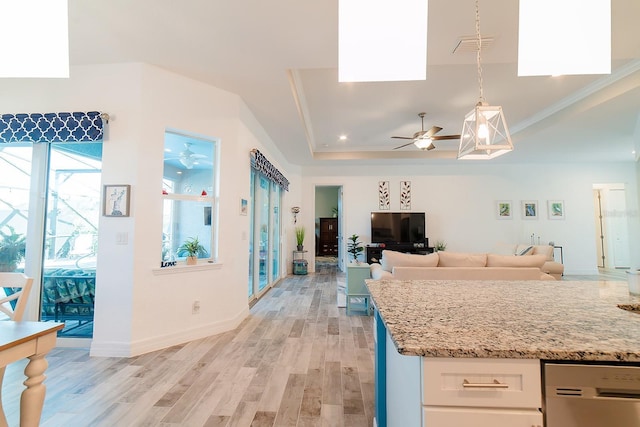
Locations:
{"points": [[297, 360]]}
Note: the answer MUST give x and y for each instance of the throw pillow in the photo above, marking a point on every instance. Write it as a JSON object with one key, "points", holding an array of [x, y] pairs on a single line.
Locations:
{"points": [[392, 259], [525, 251], [545, 250], [459, 259]]}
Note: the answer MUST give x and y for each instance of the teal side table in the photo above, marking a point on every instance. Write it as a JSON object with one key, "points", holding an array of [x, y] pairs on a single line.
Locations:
{"points": [[358, 298]]}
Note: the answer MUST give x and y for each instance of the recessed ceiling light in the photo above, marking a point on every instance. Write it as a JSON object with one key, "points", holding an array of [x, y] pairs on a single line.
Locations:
{"points": [[343, 137]]}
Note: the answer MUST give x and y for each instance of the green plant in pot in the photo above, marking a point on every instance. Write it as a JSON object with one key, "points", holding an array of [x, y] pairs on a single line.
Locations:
{"points": [[12, 249], [440, 246], [354, 247], [192, 249], [300, 238]]}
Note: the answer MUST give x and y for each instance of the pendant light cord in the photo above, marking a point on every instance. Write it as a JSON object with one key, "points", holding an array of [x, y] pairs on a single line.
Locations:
{"points": [[479, 51]]}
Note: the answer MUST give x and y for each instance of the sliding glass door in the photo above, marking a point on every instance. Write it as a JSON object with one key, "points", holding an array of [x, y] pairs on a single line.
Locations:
{"points": [[264, 242], [56, 236]]}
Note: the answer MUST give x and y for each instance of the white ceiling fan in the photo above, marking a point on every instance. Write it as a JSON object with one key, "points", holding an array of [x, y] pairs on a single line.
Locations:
{"points": [[188, 158], [423, 139]]}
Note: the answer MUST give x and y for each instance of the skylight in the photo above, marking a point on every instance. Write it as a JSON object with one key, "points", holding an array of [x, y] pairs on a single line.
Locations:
{"points": [[35, 36], [564, 37], [382, 41]]}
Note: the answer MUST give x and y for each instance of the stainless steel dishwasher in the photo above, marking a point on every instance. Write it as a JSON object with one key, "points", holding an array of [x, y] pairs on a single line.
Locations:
{"points": [[590, 395]]}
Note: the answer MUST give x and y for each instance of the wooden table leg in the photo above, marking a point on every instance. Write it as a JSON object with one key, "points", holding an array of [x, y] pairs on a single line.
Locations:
{"points": [[32, 398]]}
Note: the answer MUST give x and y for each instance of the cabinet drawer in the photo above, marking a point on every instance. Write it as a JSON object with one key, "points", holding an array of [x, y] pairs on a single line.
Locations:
{"points": [[448, 417], [498, 383]]}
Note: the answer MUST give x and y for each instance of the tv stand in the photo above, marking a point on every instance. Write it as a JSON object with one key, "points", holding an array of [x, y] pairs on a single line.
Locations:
{"points": [[374, 253]]}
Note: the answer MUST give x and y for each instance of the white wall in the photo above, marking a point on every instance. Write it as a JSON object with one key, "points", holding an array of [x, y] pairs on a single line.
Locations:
{"points": [[138, 309], [459, 201]]}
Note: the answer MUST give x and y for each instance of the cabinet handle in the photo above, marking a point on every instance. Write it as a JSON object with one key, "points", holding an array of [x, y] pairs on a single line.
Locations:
{"points": [[494, 384]]}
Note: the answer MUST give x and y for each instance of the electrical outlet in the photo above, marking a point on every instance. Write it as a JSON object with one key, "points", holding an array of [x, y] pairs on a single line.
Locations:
{"points": [[195, 309]]}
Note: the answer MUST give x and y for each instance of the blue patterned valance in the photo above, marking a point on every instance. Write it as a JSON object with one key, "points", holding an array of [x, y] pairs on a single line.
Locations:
{"points": [[51, 127], [260, 163]]}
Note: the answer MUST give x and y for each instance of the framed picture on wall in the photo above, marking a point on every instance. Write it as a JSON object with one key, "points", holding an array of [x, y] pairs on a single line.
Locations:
{"points": [[529, 209], [555, 209], [115, 200], [384, 200], [504, 209], [405, 195]]}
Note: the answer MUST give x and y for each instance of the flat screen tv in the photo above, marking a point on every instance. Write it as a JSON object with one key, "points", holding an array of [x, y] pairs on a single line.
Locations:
{"points": [[398, 227]]}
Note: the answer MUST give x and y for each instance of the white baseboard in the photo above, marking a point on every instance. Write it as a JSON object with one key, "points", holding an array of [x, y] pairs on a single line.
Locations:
{"points": [[130, 349]]}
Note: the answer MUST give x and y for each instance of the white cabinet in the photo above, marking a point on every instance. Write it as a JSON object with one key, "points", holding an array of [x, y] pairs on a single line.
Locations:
{"points": [[480, 417], [481, 392]]}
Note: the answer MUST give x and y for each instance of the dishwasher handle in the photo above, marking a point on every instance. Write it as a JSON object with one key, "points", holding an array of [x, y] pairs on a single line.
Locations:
{"points": [[617, 394]]}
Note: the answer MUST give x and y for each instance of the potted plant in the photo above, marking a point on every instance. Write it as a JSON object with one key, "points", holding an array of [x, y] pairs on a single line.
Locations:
{"points": [[354, 247], [192, 249], [300, 237], [12, 249], [440, 246]]}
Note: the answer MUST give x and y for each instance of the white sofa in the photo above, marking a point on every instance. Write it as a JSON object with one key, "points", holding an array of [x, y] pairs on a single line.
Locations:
{"points": [[459, 266], [550, 266]]}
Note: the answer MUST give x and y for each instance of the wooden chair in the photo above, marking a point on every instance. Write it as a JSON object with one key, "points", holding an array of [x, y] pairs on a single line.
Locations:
{"points": [[21, 287]]}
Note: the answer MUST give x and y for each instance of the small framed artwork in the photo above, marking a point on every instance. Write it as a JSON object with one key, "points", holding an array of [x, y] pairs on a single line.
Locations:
{"points": [[503, 209], [405, 195], [115, 200], [207, 215], [529, 209], [384, 201], [555, 209], [244, 207]]}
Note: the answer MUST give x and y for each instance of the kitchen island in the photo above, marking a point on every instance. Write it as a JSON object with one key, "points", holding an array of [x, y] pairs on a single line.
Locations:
{"points": [[423, 327]]}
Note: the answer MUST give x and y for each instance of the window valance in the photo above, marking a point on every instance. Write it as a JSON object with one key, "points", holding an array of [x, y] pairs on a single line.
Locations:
{"points": [[260, 163], [52, 127]]}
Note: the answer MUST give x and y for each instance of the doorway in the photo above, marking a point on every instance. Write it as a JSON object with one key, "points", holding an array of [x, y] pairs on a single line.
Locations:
{"points": [[328, 226], [612, 236]]}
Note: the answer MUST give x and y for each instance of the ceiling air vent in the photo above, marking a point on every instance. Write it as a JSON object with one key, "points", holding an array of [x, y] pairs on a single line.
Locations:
{"points": [[468, 44]]}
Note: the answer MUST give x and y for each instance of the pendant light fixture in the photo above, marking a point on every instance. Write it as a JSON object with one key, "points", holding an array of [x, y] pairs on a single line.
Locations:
{"points": [[484, 132]]}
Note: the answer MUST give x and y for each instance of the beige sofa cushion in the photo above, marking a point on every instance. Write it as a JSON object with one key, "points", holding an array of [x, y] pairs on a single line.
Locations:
{"points": [[545, 250], [494, 260], [392, 259], [469, 273], [460, 259]]}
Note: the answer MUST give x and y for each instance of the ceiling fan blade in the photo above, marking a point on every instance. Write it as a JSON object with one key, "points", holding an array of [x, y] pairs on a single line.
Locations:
{"points": [[432, 131], [402, 137], [431, 147], [440, 138], [401, 146]]}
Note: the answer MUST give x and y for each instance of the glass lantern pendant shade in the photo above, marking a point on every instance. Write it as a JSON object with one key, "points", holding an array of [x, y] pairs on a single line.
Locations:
{"points": [[484, 133]]}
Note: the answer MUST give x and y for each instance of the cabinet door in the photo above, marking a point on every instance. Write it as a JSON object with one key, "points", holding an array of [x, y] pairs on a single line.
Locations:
{"points": [[480, 417], [497, 383]]}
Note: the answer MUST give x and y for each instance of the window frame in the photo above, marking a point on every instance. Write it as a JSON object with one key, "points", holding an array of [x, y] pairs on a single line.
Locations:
{"points": [[211, 199]]}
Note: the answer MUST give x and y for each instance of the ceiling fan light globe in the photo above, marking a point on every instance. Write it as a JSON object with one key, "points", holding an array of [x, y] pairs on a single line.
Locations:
{"points": [[423, 144]]}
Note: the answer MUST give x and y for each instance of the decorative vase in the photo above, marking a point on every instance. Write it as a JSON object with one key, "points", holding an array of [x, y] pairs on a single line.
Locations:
{"points": [[192, 260], [300, 248]]}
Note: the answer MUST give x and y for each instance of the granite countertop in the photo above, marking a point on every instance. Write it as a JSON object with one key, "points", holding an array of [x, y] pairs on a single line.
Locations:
{"points": [[560, 320]]}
